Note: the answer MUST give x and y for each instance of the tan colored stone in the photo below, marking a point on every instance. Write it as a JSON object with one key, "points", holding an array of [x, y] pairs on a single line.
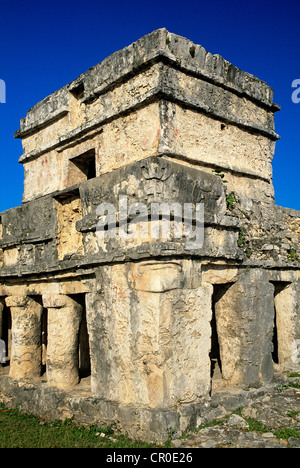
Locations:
{"points": [[26, 351], [219, 274], [288, 325], [17, 301], [120, 142], [64, 317], [203, 139], [69, 239], [10, 256], [155, 348]]}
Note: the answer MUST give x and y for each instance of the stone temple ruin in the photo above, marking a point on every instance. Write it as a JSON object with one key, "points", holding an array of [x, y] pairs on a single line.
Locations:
{"points": [[141, 331]]}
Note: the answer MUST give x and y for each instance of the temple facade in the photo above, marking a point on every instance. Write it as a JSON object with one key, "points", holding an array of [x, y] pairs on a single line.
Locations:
{"points": [[148, 267]]}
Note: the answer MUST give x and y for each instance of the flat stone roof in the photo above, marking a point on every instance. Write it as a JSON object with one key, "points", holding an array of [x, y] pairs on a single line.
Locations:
{"points": [[159, 45]]}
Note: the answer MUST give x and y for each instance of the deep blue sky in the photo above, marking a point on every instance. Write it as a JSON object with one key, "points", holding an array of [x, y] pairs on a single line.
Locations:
{"points": [[47, 44]]}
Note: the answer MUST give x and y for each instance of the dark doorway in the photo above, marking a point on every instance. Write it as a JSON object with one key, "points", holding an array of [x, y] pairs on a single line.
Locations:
{"points": [[6, 333], [279, 286], [215, 355], [44, 340], [83, 340], [215, 359]]}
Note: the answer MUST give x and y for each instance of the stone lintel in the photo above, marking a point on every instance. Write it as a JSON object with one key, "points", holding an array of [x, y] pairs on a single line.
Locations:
{"points": [[56, 301], [16, 301]]}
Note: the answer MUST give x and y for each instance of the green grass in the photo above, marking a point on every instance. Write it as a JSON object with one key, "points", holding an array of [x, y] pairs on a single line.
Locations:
{"points": [[292, 384], [257, 426], [293, 414], [286, 432], [20, 430]]}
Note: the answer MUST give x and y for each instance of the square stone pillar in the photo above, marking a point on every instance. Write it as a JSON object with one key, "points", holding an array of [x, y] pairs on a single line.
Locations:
{"points": [[26, 337], [287, 304], [64, 317], [150, 334], [245, 321]]}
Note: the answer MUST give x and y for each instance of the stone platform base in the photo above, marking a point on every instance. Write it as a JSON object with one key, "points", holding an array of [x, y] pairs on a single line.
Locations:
{"points": [[149, 425]]}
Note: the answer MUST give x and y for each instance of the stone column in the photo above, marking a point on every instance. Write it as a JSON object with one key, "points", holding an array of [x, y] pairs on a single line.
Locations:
{"points": [[149, 334], [245, 318], [287, 306], [26, 337], [64, 317]]}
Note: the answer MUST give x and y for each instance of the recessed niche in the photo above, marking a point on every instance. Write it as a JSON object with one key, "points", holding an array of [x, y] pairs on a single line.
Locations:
{"points": [[82, 168]]}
